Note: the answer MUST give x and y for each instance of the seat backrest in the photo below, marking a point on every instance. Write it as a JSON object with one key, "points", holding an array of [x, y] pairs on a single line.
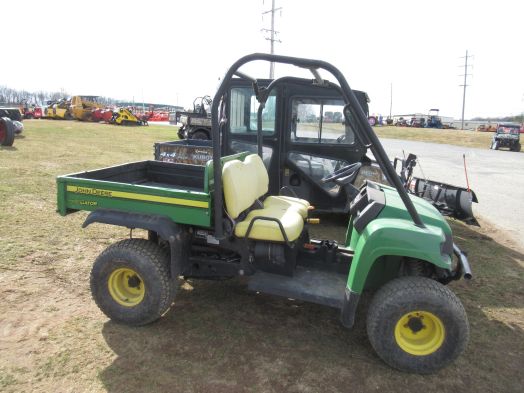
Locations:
{"points": [[257, 167], [243, 183]]}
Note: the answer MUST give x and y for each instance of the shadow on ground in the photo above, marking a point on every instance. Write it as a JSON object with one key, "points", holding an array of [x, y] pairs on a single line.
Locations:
{"points": [[220, 338]]}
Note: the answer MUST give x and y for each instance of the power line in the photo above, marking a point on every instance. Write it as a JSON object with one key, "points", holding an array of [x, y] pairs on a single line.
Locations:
{"points": [[465, 75], [272, 33]]}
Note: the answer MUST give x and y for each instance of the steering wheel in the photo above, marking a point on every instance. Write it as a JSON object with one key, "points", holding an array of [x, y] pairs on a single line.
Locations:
{"points": [[342, 172]]}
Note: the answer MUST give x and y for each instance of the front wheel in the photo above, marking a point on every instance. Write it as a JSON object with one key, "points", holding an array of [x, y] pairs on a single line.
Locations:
{"points": [[417, 325], [130, 282]]}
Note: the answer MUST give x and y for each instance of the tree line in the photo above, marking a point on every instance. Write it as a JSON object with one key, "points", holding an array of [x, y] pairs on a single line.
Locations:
{"points": [[509, 119], [10, 96]]}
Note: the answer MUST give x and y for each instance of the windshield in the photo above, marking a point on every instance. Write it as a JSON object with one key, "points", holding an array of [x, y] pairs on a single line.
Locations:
{"points": [[508, 129]]}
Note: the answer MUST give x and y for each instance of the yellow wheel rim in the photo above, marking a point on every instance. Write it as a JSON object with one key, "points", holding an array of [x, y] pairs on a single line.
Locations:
{"points": [[126, 287], [419, 333]]}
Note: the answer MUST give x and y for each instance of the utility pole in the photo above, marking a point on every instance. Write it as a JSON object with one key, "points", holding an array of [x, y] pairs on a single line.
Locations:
{"points": [[465, 75], [390, 99], [272, 33]]}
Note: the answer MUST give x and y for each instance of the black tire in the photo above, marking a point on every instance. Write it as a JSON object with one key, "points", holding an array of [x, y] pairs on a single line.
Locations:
{"points": [[7, 132], [424, 304], [495, 145], [200, 134], [153, 287], [518, 147]]}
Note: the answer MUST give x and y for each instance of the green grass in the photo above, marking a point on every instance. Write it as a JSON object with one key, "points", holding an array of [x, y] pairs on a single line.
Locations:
{"points": [[218, 337], [481, 140]]}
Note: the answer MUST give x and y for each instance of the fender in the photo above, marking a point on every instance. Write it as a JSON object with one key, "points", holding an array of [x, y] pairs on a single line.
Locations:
{"points": [[391, 237], [386, 236], [177, 235]]}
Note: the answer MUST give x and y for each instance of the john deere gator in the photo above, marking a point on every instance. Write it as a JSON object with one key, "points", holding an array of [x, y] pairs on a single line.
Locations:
{"points": [[219, 221]]}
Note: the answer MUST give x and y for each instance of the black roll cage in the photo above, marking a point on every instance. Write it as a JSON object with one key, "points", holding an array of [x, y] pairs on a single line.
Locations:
{"points": [[363, 131]]}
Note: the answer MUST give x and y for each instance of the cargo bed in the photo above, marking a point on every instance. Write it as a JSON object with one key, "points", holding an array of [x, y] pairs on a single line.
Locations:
{"points": [[179, 191]]}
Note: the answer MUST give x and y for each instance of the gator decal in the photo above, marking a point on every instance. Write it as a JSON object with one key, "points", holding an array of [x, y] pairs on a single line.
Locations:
{"points": [[134, 196]]}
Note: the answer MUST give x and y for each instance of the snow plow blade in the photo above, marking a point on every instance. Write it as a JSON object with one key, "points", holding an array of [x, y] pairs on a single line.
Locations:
{"points": [[448, 199]]}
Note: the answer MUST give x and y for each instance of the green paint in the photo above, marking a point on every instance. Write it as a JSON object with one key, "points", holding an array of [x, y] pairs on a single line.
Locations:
{"points": [[393, 234], [69, 202]]}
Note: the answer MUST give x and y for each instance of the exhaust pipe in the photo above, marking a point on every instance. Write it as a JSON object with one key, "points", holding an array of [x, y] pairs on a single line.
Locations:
{"points": [[465, 269]]}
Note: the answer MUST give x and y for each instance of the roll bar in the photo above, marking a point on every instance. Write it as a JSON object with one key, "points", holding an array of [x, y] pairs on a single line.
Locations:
{"points": [[368, 136]]}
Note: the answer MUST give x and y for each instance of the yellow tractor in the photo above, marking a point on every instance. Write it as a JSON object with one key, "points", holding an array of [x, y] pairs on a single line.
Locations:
{"points": [[60, 109], [125, 117], [82, 107]]}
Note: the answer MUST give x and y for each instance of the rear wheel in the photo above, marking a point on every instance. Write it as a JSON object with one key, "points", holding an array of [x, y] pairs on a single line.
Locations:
{"points": [[130, 282], [7, 132], [200, 135], [416, 324]]}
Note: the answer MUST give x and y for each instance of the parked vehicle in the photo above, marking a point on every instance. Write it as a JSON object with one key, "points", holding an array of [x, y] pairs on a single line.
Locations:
{"points": [[7, 131], [11, 113], [82, 107], [105, 115], [218, 221], [401, 122], [196, 123], [434, 120], [30, 111], [126, 117], [417, 122], [490, 127], [507, 135], [60, 109]]}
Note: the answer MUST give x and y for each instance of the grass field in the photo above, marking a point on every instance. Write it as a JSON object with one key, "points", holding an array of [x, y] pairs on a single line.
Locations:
{"points": [[218, 337], [481, 140]]}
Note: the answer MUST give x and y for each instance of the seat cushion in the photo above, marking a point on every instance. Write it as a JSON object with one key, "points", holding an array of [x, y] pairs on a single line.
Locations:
{"points": [[292, 222], [301, 206]]}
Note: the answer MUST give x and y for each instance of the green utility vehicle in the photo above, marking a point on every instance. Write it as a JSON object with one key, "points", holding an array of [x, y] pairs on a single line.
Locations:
{"points": [[507, 135], [217, 221]]}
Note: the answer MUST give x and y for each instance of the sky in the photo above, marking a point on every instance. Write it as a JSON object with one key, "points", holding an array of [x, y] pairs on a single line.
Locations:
{"points": [[172, 51]]}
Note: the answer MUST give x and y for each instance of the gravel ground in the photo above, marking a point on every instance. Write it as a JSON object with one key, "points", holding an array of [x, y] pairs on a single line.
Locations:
{"points": [[497, 177]]}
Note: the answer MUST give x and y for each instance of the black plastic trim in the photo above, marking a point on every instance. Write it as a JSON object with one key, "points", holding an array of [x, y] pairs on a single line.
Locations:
{"points": [[262, 218], [349, 308], [370, 203], [177, 235]]}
